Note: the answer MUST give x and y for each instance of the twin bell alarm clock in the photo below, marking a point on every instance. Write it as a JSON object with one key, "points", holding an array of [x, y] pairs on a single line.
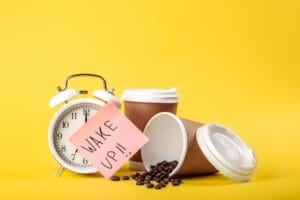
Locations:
{"points": [[70, 117]]}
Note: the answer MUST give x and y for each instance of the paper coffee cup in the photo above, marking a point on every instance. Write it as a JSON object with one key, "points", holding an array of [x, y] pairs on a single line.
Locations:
{"points": [[198, 148], [142, 104]]}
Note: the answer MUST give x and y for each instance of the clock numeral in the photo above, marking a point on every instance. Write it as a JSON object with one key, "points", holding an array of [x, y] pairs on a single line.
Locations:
{"points": [[65, 124], [74, 115], [85, 161], [59, 135], [74, 154], [63, 148]]}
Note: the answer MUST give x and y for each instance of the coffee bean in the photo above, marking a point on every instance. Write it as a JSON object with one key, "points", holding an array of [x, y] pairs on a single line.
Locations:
{"points": [[163, 175], [178, 180], [147, 178], [156, 178], [175, 184], [125, 178], [166, 180], [149, 185], [162, 183], [137, 174], [115, 178], [158, 186], [139, 183], [158, 173], [174, 163]]}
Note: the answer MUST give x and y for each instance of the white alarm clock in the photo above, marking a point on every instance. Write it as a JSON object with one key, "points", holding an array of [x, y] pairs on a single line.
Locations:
{"points": [[69, 118]]}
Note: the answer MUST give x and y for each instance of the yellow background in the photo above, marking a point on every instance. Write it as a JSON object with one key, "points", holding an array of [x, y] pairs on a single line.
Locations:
{"points": [[233, 62]]}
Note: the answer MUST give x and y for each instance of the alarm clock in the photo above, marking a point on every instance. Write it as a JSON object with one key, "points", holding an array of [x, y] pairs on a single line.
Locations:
{"points": [[70, 117]]}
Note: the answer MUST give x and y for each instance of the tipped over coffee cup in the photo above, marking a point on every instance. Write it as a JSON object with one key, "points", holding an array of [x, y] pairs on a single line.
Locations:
{"points": [[198, 148]]}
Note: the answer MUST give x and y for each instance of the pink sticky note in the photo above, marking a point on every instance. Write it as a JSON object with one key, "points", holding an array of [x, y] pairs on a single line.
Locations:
{"points": [[108, 140]]}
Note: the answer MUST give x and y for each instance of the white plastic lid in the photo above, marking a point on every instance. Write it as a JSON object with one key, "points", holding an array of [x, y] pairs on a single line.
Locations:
{"points": [[62, 97], [151, 95], [107, 97], [226, 151]]}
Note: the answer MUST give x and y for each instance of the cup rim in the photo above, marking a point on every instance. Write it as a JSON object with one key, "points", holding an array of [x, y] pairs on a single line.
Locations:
{"points": [[151, 95], [184, 140]]}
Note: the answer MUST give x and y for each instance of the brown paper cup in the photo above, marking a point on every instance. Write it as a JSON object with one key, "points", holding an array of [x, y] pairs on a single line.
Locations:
{"points": [[172, 138], [140, 105], [140, 113], [198, 148]]}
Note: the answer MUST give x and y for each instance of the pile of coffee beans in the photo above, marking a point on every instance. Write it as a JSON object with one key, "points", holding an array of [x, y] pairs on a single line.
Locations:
{"points": [[157, 177]]}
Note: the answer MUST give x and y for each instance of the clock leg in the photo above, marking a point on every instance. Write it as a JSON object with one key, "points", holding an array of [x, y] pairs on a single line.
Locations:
{"points": [[60, 170]]}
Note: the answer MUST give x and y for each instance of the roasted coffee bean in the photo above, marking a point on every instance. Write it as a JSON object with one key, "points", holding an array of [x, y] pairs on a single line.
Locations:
{"points": [[137, 174], [139, 183], [125, 178], [156, 178], [178, 180], [158, 173], [162, 183], [166, 180], [175, 183], [147, 178], [115, 178], [149, 185], [163, 175], [142, 176], [174, 163], [158, 186], [141, 179], [152, 173]]}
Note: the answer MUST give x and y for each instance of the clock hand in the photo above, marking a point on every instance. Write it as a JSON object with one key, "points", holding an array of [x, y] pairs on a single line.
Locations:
{"points": [[85, 118]]}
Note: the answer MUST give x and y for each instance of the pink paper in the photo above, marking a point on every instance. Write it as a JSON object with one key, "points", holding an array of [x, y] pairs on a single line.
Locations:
{"points": [[108, 140]]}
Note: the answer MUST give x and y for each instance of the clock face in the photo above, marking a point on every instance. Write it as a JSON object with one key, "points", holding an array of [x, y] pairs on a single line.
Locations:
{"points": [[67, 121]]}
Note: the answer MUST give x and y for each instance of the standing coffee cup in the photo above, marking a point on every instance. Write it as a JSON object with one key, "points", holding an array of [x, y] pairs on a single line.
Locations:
{"points": [[142, 104], [198, 148]]}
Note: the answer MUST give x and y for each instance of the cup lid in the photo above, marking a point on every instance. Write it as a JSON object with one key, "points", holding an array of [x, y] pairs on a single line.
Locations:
{"points": [[151, 95], [226, 151]]}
